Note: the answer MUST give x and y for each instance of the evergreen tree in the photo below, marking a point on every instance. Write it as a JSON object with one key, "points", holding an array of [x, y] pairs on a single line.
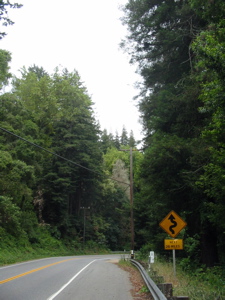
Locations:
{"points": [[5, 59], [75, 138], [51, 162], [132, 142], [117, 141], [54, 112], [39, 71], [124, 137], [160, 40], [107, 141], [210, 73]]}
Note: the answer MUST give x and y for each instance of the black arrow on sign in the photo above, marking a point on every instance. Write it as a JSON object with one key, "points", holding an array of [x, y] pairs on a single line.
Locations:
{"points": [[172, 218]]}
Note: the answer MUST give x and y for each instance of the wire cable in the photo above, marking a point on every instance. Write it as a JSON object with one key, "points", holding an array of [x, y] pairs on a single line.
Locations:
{"points": [[57, 155]]}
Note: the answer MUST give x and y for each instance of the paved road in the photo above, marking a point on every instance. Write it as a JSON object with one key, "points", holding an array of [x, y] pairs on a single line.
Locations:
{"points": [[66, 278]]}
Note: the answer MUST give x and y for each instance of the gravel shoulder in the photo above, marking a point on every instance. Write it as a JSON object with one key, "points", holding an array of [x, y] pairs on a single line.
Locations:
{"points": [[139, 288]]}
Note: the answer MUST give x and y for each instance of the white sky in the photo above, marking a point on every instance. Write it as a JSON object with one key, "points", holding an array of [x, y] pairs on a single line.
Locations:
{"points": [[81, 35]]}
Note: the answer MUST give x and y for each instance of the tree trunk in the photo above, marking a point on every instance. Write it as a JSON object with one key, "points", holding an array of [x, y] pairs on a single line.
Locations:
{"points": [[209, 254]]}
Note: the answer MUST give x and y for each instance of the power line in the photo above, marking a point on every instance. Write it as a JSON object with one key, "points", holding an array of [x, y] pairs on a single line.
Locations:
{"points": [[57, 155]]}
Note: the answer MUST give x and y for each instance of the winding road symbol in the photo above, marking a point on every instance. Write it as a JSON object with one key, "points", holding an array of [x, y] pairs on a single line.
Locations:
{"points": [[172, 224], [172, 219]]}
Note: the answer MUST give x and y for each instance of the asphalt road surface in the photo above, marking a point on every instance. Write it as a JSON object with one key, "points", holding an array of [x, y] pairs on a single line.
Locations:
{"points": [[66, 278]]}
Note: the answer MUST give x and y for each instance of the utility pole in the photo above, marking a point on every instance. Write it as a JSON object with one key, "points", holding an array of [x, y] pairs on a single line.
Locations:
{"points": [[131, 201]]}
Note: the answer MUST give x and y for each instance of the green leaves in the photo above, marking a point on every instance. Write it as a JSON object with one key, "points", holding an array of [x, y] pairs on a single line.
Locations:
{"points": [[4, 19], [55, 113], [5, 58], [178, 47], [10, 216]]}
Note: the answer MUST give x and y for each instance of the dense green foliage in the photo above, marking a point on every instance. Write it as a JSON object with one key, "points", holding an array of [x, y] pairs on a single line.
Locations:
{"points": [[52, 171], [178, 47], [62, 182], [4, 18], [65, 183], [209, 282]]}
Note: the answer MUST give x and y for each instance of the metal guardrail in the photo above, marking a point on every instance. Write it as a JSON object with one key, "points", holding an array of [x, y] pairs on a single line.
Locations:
{"points": [[154, 290]]}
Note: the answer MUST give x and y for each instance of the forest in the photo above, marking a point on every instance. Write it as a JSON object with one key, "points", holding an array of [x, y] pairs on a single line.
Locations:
{"points": [[63, 181]]}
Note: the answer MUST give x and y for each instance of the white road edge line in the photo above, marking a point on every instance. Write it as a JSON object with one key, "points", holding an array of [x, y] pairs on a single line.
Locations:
{"points": [[25, 262], [65, 285]]}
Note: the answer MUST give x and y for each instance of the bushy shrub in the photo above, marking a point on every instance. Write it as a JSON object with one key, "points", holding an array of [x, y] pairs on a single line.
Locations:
{"points": [[144, 252], [10, 216]]}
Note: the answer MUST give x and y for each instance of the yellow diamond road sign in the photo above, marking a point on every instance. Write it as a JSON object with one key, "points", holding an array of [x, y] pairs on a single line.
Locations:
{"points": [[172, 224]]}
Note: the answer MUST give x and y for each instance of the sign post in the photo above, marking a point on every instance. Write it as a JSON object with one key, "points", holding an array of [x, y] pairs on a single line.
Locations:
{"points": [[173, 224], [174, 263]]}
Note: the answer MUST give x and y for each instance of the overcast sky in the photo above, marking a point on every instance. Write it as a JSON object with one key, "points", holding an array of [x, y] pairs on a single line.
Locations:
{"points": [[81, 35]]}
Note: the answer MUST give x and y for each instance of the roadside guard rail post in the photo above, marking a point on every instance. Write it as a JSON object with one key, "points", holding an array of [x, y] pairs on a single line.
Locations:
{"points": [[154, 290]]}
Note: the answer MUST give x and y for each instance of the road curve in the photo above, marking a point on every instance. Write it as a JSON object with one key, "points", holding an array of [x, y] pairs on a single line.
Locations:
{"points": [[89, 277]]}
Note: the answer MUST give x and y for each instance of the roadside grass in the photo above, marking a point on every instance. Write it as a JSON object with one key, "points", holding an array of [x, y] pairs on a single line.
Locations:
{"points": [[15, 255], [125, 262], [13, 250], [200, 284]]}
